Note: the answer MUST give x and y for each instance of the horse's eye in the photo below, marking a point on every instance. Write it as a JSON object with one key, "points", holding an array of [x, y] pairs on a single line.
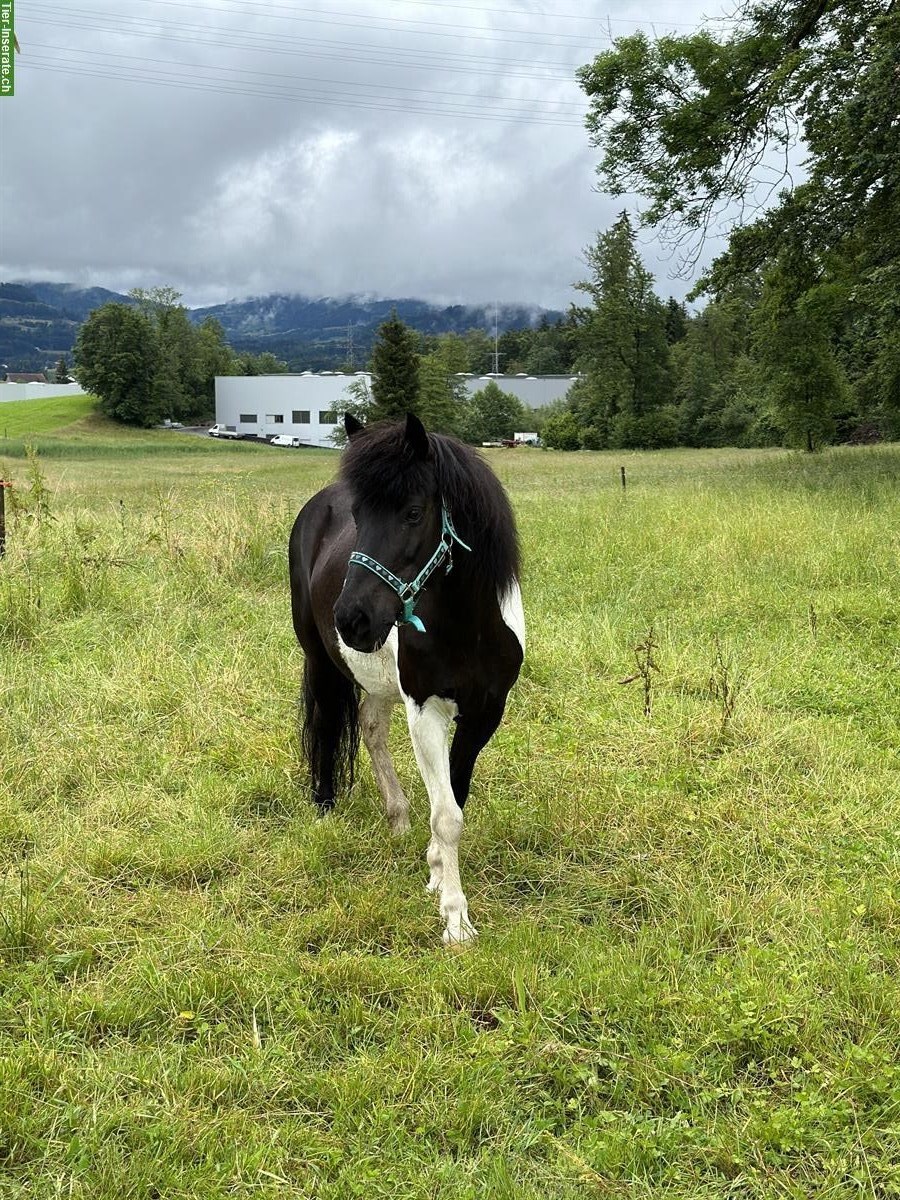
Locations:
{"points": [[413, 515]]}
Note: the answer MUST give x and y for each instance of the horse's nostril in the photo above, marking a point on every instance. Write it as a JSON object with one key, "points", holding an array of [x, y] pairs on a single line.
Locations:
{"points": [[353, 624]]}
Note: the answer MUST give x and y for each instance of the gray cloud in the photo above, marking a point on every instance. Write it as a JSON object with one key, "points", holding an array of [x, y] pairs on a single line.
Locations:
{"points": [[235, 149]]}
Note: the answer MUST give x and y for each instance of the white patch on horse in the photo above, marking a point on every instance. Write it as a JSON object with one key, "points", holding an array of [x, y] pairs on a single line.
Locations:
{"points": [[379, 676], [512, 612], [377, 673], [429, 728]]}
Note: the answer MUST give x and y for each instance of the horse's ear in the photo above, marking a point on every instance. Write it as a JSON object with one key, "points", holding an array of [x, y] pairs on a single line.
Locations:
{"points": [[416, 436], [351, 426]]}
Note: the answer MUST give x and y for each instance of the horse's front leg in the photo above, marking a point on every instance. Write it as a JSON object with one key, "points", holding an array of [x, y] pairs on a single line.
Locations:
{"points": [[375, 722], [429, 727]]}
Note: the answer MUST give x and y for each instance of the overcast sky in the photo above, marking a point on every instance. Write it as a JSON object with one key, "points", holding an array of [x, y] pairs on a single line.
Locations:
{"points": [[239, 147]]}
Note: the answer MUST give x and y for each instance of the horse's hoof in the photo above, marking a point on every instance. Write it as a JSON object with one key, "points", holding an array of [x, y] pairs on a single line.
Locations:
{"points": [[460, 939]]}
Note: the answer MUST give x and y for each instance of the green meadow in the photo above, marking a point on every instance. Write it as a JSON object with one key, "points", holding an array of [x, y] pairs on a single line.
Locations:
{"points": [[29, 417], [682, 848]]}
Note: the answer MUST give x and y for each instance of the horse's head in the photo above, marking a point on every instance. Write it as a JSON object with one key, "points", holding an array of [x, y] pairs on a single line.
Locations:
{"points": [[396, 507]]}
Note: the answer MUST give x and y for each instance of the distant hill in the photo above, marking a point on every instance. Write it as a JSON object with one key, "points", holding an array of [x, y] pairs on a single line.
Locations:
{"points": [[39, 322], [317, 334]]}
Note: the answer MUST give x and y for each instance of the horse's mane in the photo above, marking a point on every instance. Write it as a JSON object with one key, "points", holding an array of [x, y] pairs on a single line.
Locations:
{"points": [[381, 468]]}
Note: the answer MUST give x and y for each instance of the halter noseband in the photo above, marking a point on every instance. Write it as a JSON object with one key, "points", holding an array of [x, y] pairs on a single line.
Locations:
{"points": [[409, 592]]}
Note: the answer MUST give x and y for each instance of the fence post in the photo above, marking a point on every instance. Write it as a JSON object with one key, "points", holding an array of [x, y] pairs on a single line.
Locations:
{"points": [[3, 486], [622, 469]]}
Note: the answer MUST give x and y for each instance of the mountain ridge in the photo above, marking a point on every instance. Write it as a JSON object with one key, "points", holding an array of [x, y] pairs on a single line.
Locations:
{"points": [[39, 322]]}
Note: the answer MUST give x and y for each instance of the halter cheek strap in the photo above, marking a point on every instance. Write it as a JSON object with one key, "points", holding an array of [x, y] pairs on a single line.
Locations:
{"points": [[409, 591]]}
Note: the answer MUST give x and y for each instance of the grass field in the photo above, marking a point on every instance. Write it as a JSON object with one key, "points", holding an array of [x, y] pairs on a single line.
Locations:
{"points": [[19, 417], [686, 983]]}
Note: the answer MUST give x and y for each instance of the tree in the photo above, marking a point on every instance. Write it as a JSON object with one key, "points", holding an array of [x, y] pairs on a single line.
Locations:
{"points": [[269, 364], [805, 382], [690, 122], [491, 415], [213, 357], [623, 355], [480, 350], [559, 430], [176, 382], [116, 355], [676, 321], [715, 388], [154, 301], [395, 371], [62, 371], [698, 124], [441, 394]]}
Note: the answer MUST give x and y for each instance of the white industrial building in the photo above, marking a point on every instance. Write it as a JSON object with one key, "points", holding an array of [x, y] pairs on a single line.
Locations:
{"points": [[38, 391], [309, 406]]}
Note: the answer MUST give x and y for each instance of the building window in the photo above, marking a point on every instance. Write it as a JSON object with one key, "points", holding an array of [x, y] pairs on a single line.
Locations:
{"points": [[328, 418], [274, 418], [247, 418], [301, 416]]}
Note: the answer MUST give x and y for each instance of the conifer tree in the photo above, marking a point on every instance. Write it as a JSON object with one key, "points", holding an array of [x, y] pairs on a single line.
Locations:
{"points": [[624, 356], [395, 371]]}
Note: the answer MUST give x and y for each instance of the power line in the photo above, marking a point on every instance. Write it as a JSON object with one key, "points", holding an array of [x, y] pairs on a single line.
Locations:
{"points": [[444, 31], [246, 7], [66, 67], [262, 42], [558, 105]]}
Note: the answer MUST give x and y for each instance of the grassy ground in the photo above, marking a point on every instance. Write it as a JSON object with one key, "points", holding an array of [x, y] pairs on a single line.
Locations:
{"points": [[18, 417], [687, 979]]}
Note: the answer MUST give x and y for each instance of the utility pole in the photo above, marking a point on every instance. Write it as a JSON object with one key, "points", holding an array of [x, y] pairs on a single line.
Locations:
{"points": [[496, 343], [350, 344]]}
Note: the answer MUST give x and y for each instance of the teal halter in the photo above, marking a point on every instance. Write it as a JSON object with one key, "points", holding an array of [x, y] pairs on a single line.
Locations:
{"points": [[409, 592]]}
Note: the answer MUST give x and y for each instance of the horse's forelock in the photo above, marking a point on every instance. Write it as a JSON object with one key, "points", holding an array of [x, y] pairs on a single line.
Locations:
{"points": [[381, 468]]}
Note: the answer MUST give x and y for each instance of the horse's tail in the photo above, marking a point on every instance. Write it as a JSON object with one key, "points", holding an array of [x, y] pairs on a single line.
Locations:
{"points": [[329, 731]]}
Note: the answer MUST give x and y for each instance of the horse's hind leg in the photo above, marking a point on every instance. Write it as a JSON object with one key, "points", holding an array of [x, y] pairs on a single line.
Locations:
{"points": [[375, 723], [330, 731], [429, 728]]}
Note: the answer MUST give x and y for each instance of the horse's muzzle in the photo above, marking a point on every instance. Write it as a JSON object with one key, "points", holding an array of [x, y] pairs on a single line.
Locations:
{"points": [[356, 628]]}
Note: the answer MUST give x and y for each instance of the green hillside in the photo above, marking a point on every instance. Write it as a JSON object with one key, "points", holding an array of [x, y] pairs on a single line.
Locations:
{"points": [[19, 418]]}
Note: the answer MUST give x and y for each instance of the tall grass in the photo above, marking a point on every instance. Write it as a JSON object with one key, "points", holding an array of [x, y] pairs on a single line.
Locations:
{"points": [[686, 983]]}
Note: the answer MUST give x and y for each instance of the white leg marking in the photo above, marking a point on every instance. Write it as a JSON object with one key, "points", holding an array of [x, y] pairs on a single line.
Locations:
{"points": [[513, 613], [435, 867], [429, 728], [375, 723]]}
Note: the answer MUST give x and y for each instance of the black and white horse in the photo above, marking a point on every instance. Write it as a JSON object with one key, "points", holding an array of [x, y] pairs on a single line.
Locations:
{"points": [[405, 586]]}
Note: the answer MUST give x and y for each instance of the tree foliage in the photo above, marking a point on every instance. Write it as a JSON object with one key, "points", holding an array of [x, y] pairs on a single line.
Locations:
{"points": [[491, 415], [116, 354], [698, 126], [147, 361], [691, 122]]}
